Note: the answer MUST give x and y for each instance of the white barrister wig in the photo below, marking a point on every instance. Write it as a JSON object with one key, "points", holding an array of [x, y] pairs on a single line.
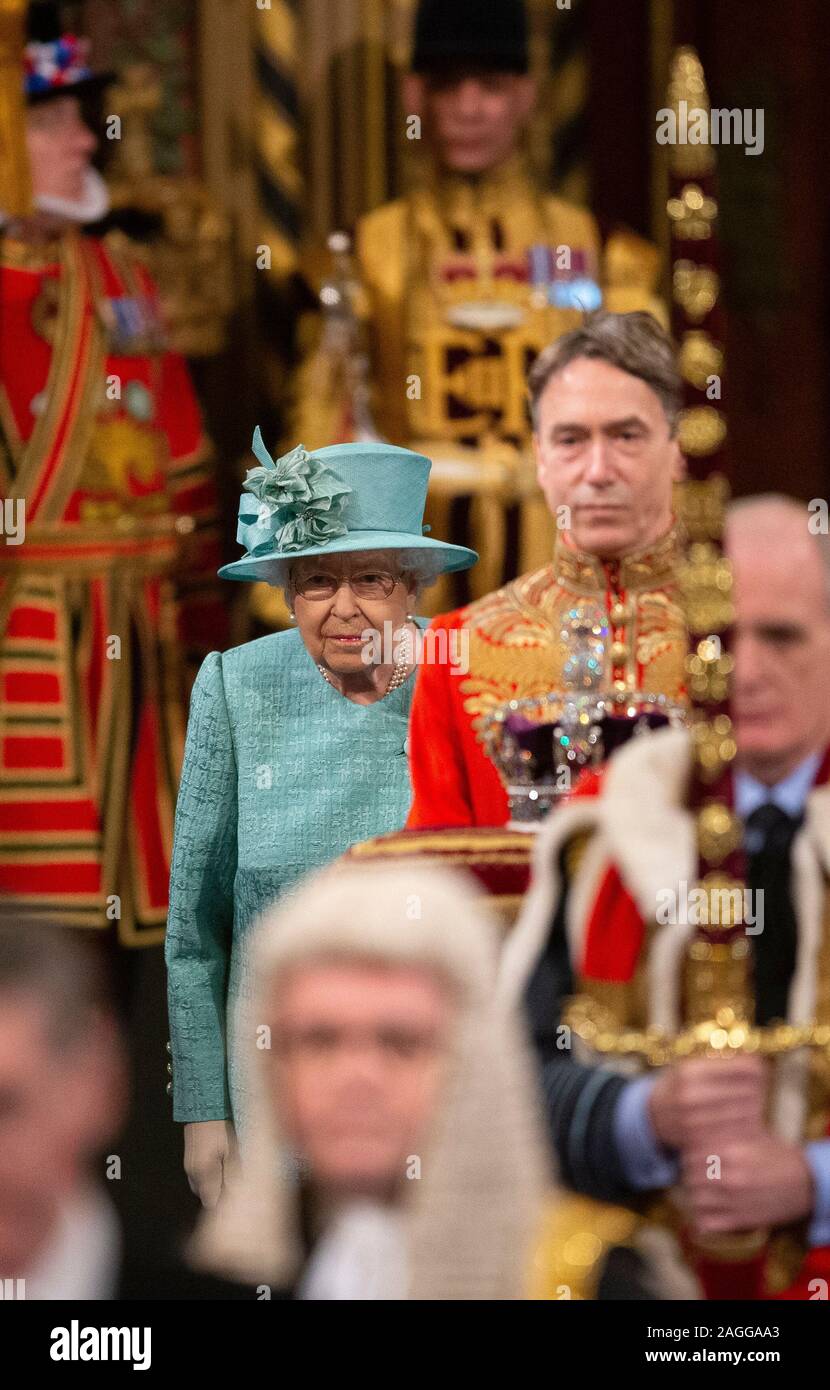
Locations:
{"points": [[471, 1218]]}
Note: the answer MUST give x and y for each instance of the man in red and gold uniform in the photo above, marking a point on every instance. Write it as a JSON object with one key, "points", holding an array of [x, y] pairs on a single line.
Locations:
{"points": [[462, 282], [687, 1086], [109, 545], [605, 401]]}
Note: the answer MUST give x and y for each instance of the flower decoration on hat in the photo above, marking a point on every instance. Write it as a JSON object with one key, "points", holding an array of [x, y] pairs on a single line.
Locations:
{"points": [[57, 63], [301, 502]]}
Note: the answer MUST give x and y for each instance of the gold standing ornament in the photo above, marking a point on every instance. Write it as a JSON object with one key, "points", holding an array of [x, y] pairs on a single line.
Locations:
{"points": [[15, 177], [717, 991]]}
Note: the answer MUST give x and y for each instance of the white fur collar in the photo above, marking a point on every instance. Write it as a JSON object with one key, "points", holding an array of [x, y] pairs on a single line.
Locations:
{"points": [[641, 826], [93, 204]]}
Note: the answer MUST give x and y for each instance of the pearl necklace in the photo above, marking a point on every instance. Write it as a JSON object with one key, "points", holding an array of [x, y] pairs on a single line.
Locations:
{"points": [[399, 674]]}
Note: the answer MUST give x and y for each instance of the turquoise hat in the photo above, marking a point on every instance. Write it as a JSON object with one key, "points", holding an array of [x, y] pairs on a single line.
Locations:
{"points": [[346, 497]]}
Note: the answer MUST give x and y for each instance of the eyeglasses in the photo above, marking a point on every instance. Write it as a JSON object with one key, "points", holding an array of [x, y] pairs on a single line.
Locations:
{"points": [[372, 584]]}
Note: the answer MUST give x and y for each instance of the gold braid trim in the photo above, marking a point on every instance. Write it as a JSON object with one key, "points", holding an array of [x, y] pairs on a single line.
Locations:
{"points": [[724, 1035], [480, 847]]}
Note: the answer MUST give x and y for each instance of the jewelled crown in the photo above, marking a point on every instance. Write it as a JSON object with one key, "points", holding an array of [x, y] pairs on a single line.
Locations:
{"points": [[542, 743]]}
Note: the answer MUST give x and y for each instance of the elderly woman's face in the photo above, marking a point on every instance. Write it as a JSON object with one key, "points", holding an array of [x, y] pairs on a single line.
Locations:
{"points": [[340, 601]]}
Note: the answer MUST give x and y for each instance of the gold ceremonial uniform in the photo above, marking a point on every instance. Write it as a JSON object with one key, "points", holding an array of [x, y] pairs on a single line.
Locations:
{"points": [[461, 284], [514, 647]]}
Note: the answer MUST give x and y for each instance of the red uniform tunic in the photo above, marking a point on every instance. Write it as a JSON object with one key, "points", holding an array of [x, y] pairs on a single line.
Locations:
{"points": [[111, 583]]}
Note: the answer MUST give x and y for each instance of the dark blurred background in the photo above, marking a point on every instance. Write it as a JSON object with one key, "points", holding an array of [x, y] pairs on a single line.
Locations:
{"points": [[290, 119]]}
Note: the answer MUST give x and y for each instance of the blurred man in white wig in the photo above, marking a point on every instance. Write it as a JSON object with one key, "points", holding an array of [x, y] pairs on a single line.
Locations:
{"points": [[391, 1149]]}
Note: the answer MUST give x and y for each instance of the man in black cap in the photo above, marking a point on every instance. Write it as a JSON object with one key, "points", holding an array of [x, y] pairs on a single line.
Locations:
{"points": [[467, 278], [470, 81]]}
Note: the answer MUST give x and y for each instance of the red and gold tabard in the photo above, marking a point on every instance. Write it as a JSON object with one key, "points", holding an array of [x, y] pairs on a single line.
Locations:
{"points": [[512, 645], [108, 588]]}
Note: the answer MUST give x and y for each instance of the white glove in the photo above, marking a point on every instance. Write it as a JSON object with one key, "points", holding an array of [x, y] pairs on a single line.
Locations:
{"points": [[208, 1144]]}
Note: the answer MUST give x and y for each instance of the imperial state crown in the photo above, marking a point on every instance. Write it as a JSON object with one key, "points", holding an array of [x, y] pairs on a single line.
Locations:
{"points": [[542, 743]]}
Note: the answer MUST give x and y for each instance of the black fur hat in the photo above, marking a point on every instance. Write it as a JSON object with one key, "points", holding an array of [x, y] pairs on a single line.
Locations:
{"points": [[489, 34]]}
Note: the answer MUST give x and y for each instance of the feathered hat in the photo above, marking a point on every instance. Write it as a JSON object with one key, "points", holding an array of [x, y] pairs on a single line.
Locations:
{"points": [[343, 498]]}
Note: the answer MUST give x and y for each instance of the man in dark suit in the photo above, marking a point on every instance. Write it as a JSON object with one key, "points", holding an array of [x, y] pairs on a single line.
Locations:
{"points": [[594, 924]]}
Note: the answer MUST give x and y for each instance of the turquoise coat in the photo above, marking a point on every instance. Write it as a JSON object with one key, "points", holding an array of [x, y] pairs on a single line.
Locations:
{"points": [[281, 775]]}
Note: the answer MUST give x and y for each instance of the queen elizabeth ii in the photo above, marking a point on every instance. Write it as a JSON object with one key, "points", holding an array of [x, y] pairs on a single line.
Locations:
{"points": [[296, 743]]}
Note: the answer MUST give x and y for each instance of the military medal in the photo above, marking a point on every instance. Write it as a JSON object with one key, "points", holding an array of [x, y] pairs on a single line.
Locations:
{"points": [[132, 323], [571, 286]]}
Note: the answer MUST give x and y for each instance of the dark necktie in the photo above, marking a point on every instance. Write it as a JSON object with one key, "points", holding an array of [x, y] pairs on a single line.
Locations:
{"points": [[769, 847]]}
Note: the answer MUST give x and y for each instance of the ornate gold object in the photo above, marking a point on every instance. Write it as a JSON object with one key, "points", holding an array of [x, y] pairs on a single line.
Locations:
{"points": [[621, 613], [701, 431], [706, 581], [719, 831], [716, 1018], [724, 908], [714, 746], [537, 770], [702, 507], [724, 1035], [700, 358], [15, 179], [709, 671], [695, 288], [693, 212], [687, 83], [717, 982]]}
